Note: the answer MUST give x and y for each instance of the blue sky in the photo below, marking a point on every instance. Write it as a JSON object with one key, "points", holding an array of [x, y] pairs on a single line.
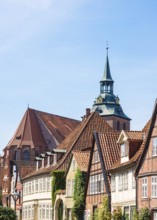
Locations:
{"points": [[52, 57]]}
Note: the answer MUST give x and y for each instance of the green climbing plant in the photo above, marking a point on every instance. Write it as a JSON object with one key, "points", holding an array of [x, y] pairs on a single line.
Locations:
{"points": [[58, 183], [103, 212], [79, 196], [144, 214]]}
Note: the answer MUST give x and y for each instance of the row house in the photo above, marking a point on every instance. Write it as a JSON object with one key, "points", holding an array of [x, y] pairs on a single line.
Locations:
{"points": [[79, 160], [146, 171], [104, 152], [123, 184]]}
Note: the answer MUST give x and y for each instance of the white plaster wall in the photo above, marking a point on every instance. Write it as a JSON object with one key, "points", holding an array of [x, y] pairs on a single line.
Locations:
{"points": [[125, 195]]}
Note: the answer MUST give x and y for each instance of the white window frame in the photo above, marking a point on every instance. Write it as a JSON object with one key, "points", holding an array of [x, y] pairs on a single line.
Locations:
{"points": [[154, 187], [154, 146], [144, 187], [125, 181], [120, 182], [113, 183], [96, 157]]}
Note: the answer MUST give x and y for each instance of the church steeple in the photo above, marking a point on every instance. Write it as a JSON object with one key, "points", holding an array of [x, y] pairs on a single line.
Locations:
{"points": [[107, 104], [106, 84]]}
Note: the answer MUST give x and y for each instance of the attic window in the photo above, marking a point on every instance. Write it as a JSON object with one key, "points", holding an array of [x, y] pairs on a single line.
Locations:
{"points": [[123, 150]]}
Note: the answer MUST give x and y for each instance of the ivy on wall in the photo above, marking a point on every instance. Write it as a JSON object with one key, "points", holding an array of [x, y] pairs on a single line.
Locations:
{"points": [[79, 196], [58, 183]]}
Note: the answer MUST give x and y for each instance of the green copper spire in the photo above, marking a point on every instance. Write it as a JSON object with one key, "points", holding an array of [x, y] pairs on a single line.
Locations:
{"points": [[107, 73]]}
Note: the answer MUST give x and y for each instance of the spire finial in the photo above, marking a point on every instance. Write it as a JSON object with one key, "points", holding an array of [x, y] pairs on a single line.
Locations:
{"points": [[107, 47]]}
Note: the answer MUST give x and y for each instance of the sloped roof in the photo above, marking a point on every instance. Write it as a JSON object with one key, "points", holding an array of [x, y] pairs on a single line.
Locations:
{"points": [[42, 129], [134, 135], [82, 159], [109, 147], [80, 139]]}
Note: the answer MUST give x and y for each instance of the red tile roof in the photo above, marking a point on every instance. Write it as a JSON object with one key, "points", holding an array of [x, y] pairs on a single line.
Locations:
{"points": [[109, 147], [82, 159], [42, 129], [134, 135]]}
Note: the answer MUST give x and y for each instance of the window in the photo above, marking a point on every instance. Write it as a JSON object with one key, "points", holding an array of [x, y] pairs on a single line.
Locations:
{"points": [[144, 187], [96, 184], [123, 150], [73, 165], [133, 181], [154, 186], [120, 182], [124, 126], [26, 155], [125, 175], [155, 215], [154, 150], [96, 157], [113, 183], [126, 212], [68, 187]]}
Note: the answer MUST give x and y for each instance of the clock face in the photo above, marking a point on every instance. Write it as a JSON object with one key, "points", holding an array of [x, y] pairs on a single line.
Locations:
{"points": [[99, 99]]}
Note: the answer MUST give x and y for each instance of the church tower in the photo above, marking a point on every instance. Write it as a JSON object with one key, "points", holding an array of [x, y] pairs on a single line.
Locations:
{"points": [[108, 105]]}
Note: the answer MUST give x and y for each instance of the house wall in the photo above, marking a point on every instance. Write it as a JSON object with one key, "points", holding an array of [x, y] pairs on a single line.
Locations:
{"points": [[148, 170], [95, 199], [37, 202], [123, 198]]}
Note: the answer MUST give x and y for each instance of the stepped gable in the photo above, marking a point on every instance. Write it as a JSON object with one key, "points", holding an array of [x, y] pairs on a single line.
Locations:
{"points": [[110, 149], [42, 129], [82, 159], [82, 137], [137, 155]]}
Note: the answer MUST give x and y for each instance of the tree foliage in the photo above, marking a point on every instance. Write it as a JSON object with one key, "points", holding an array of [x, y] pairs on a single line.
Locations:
{"points": [[79, 197], [144, 214], [58, 182], [103, 212], [7, 213]]}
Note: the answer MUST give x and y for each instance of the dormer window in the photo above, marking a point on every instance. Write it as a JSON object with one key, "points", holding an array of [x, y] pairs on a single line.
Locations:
{"points": [[154, 142], [123, 150]]}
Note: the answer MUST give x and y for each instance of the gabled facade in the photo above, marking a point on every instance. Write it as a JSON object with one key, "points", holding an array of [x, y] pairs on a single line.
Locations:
{"points": [[108, 105], [123, 184], [79, 160], [104, 152], [146, 171]]}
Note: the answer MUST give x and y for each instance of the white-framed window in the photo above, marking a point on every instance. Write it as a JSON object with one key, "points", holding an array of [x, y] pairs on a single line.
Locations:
{"points": [[36, 185], [120, 182], [154, 186], [123, 148], [96, 156], [125, 177], [133, 181], [73, 165], [144, 187], [113, 183], [155, 215], [68, 187], [154, 143], [96, 184]]}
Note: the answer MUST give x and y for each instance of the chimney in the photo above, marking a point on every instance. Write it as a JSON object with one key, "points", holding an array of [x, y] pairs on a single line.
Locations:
{"points": [[87, 112]]}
